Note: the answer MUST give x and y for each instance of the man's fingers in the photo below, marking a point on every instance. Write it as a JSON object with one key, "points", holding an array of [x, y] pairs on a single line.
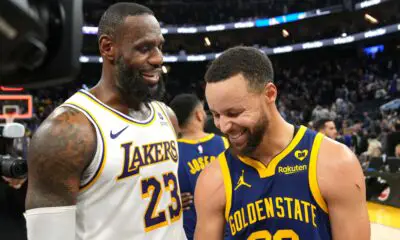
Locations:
{"points": [[187, 200], [6, 179], [14, 183], [186, 195]]}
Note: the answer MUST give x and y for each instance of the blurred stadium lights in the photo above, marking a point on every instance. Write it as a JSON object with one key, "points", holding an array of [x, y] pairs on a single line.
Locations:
{"points": [[83, 59], [285, 33], [369, 3], [11, 89], [164, 69], [207, 41], [283, 49], [370, 18], [263, 22]]}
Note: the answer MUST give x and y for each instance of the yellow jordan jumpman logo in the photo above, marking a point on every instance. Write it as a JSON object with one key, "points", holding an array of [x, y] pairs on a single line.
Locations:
{"points": [[242, 182]]}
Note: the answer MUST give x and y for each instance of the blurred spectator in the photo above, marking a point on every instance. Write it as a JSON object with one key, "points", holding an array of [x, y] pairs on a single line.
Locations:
{"points": [[397, 153], [374, 147], [327, 127], [393, 139]]}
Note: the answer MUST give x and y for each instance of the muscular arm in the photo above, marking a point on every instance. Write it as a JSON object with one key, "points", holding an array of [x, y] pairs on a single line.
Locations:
{"points": [[342, 185], [210, 203], [60, 150]]}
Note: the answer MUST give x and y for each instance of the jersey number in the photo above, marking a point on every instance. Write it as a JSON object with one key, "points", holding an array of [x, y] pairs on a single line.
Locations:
{"points": [[279, 235], [153, 189]]}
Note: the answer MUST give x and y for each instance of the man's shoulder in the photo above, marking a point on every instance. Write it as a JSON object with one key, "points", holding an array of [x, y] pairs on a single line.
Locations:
{"points": [[211, 180], [64, 120], [334, 153], [336, 164]]}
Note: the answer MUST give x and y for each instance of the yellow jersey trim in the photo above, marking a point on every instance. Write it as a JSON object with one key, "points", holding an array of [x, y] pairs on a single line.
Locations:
{"points": [[226, 142], [118, 114], [167, 117], [227, 183], [100, 169], [269, 170], [312, 173], [201, 140]]}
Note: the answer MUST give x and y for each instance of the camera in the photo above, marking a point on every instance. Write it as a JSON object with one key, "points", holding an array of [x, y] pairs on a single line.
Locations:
{"points": [[10, 166], [13, 167], [40, 42]]}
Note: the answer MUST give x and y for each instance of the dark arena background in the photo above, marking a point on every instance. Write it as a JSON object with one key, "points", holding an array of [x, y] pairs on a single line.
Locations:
{"points": [[334, 59]]}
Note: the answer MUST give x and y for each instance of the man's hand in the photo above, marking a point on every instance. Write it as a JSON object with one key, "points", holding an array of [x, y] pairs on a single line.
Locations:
{"points": [[187, 200], [14, 182]]}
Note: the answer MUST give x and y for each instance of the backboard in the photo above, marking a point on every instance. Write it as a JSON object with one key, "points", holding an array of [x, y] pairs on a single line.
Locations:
{"points": [[15, 107]]}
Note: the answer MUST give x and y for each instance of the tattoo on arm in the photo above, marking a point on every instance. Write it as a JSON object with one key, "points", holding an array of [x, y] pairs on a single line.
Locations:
{"points": [[59, 151]]}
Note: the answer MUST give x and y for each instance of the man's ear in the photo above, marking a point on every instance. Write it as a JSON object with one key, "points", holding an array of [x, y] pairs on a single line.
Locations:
{"points": [[199, 115], [270, 92], [107, 47]]}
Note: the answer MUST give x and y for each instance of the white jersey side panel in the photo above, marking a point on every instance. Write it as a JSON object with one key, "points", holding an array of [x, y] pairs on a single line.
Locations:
{"points": [[130, 190]]}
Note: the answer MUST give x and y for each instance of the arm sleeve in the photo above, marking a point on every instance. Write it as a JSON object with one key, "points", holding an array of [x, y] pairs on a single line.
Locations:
{"points": [[51, 223]]}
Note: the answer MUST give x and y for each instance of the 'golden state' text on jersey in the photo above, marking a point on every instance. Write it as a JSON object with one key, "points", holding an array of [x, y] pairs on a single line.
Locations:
{"points": [[130, 189], [278, 201]]}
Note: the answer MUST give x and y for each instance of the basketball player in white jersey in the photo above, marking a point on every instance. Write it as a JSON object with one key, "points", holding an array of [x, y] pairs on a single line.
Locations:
{"points": [[104, 164]]}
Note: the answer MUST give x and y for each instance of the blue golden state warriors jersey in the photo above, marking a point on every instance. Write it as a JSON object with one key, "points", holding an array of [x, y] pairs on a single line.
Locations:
{"points": [[278, 201], [194, 156]]}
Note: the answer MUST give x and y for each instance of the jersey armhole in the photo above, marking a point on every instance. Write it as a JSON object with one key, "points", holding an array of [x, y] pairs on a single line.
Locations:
{"points": [[163, 108], [93, 171], [227, 183], [312, 174]]}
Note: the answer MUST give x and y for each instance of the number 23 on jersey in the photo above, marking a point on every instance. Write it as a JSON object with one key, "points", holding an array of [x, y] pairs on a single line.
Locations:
{"points": [[153, 188]]}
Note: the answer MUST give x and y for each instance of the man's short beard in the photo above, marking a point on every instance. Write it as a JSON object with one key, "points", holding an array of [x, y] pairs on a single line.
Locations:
{"points": [[133, 88], [254, 139]]}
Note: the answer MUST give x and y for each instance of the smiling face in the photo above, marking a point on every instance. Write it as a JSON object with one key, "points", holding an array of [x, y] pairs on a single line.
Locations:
{"points": [[137, 58], [241, 114]]}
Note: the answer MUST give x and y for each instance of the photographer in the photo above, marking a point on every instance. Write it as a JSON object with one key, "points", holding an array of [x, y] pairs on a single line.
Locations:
{"points": [[12, 198], [12, 187]]}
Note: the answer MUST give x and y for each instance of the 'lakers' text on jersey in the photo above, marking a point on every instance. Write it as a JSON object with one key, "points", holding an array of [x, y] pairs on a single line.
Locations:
{"points": [[278, 201], [130, 189], [194, 156]]}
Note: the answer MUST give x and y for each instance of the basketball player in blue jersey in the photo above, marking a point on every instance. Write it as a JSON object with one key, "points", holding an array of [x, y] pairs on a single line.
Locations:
{"points": [[104, 164], [277, 181], [196, 149]]}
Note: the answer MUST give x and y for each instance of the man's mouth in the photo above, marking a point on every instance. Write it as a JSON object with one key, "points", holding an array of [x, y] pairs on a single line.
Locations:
{"points": [[151, 77], [238, 138], [237, 135]]}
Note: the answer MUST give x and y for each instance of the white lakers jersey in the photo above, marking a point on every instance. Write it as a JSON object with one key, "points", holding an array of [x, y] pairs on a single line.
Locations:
{"points": [[130, 190]]}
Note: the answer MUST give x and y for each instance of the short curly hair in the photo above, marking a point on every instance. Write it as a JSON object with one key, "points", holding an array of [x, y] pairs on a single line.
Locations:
{"points": [[115, 15], [255, 66]]}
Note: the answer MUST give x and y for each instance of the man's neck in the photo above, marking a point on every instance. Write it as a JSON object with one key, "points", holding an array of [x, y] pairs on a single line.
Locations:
{"points": [[278, 136], [106, 90], [193, 132]]}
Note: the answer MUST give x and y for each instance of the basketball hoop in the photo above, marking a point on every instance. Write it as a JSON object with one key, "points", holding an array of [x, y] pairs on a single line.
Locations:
{"points": [[9, 117]]}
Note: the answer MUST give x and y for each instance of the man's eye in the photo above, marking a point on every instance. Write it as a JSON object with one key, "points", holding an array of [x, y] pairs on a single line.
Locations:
{"points": [[144, 49], [233, 114]]}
